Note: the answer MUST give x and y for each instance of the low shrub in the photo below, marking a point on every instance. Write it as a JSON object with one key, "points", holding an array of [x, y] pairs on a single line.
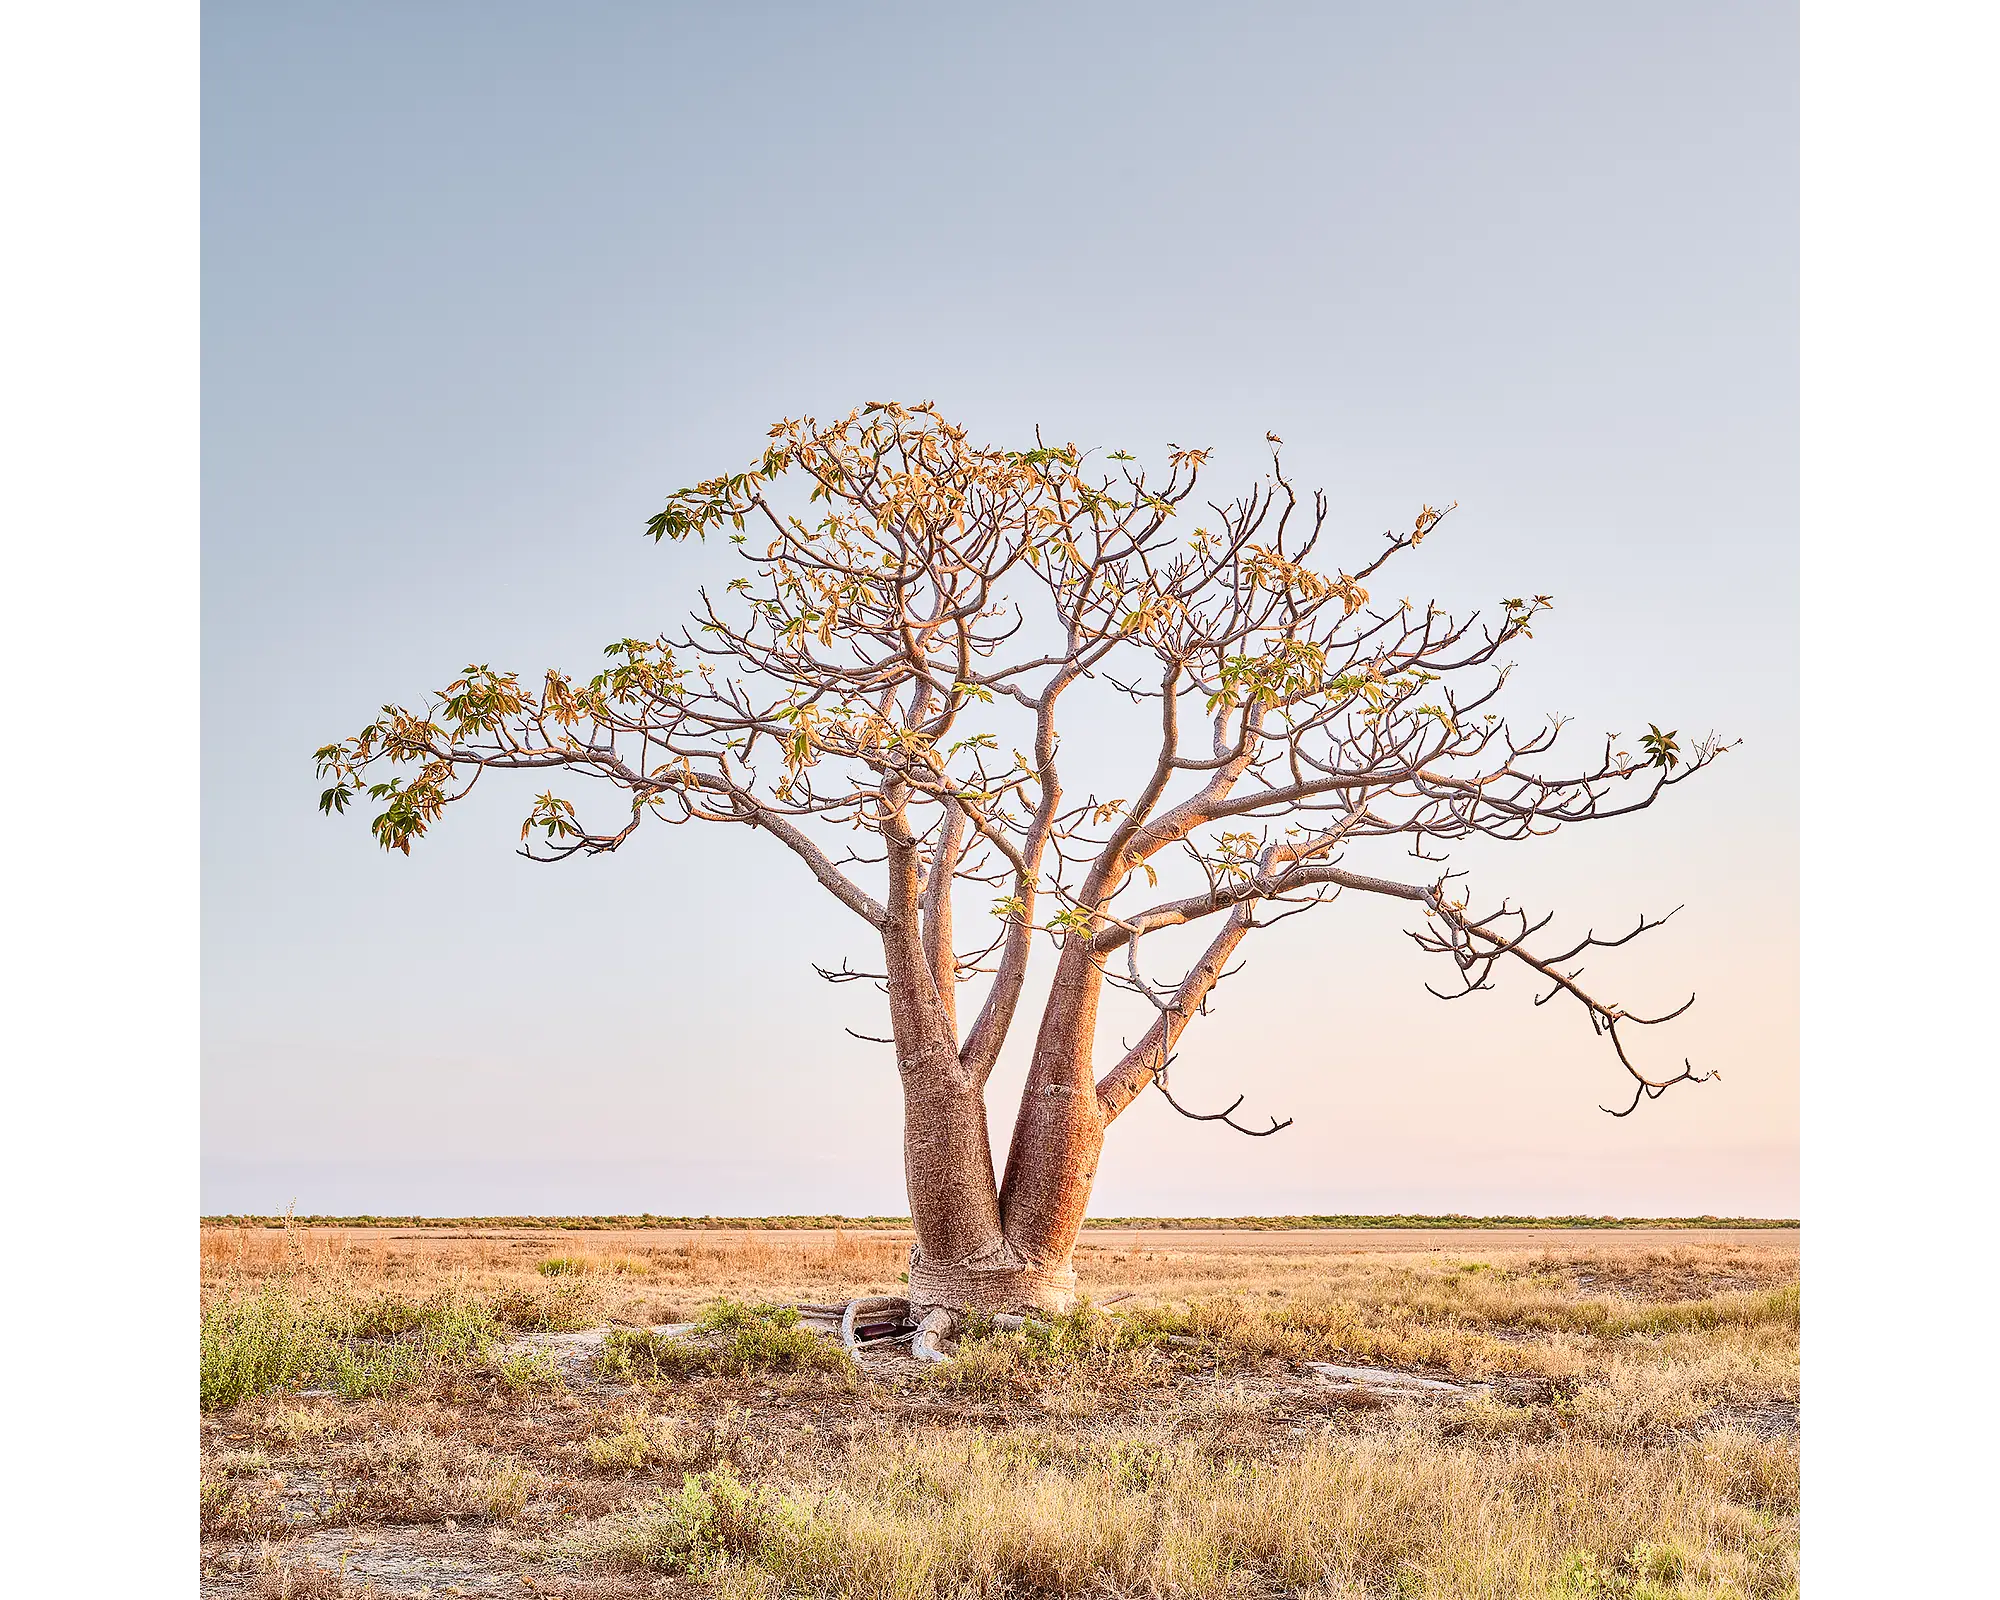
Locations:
{"points": [[561, 1306], [731, 1339], [714, 1517], [413, 1475], [645, 1440], [272, 1339]]}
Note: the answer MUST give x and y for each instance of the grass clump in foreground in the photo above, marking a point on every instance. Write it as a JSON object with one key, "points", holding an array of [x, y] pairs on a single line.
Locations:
{"points": [[272, 1337], [1641, 1377], [1409, 1512], [1138, 1350], [731, 1339], [715, 1519]]}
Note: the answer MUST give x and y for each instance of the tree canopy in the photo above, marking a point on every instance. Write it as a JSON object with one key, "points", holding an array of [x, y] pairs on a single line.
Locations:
{"points": [[881, 690]]}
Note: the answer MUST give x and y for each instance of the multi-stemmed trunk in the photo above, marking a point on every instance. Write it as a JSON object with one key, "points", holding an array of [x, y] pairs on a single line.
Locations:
{"points": [[1004, 1246], [983, 1245], [1007, 1245]]}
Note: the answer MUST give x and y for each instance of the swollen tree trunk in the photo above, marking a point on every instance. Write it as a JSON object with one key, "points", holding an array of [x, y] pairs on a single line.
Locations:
{"points": [[967, 1257], [1059, 1129], [980, 1246], [1008, 1248]]}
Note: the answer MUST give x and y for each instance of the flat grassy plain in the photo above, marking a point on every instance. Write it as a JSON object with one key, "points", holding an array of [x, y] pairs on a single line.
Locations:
{"points": [[390, 1411]]}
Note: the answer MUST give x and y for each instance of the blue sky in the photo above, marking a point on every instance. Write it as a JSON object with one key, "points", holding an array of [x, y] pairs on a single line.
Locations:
{"points": [[484, 283]]}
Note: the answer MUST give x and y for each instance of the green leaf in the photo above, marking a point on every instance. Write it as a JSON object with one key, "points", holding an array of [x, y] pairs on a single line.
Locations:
{"points": [[1662, 749]]}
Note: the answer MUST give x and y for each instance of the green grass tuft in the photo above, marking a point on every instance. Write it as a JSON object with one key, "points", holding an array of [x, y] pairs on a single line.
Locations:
{"points": [[757, 1338], [272, 1338]]}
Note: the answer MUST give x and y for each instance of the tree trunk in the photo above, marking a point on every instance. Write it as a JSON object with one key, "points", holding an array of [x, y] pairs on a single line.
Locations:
{"points": [[1058, 1131], [1010, 1249], [964, 1258], [980, 1247]]}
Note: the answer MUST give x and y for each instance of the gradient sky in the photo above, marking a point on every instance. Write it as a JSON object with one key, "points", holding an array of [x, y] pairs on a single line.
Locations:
{"points": [[484, 282]]}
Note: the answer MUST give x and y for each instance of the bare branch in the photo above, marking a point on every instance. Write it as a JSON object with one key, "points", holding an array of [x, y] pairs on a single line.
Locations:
{"points": [[1222, 1116], [881, 690]]}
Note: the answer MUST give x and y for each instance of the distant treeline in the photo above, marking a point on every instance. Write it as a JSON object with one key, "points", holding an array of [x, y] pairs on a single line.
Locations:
{"points": [[1274, 1224]]}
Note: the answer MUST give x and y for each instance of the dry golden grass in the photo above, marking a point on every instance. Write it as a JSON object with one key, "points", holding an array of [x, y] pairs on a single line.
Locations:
{"points": [[1638, 1438], [1403, 1512], [644, 1270]]}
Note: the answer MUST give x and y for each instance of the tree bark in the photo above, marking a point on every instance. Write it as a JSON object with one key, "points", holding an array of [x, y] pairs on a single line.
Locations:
{"points": [[982, 1247], [961, 1260], [1058, 1132], [1008, 1249]]}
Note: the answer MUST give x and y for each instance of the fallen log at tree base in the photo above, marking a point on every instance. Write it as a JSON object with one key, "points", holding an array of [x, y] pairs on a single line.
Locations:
{"points": [[874, 1319]]}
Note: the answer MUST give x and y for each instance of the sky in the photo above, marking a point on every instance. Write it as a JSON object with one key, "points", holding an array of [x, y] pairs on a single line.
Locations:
{"points": [[484, 283]]}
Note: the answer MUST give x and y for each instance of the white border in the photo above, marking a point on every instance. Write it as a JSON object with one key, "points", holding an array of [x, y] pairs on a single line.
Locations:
{"points": [[99, 656], [99, 112], [1899, 434]]}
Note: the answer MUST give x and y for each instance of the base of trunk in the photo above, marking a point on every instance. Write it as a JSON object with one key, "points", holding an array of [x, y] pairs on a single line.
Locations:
{"points": [[998, 1280]]}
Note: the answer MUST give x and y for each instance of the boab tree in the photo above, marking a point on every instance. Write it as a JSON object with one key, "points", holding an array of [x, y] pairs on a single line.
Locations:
{"points": [[849, 695]]}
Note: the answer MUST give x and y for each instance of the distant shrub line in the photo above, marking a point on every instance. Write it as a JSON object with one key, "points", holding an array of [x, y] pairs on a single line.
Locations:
{"points": [[1272, 1224]]}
